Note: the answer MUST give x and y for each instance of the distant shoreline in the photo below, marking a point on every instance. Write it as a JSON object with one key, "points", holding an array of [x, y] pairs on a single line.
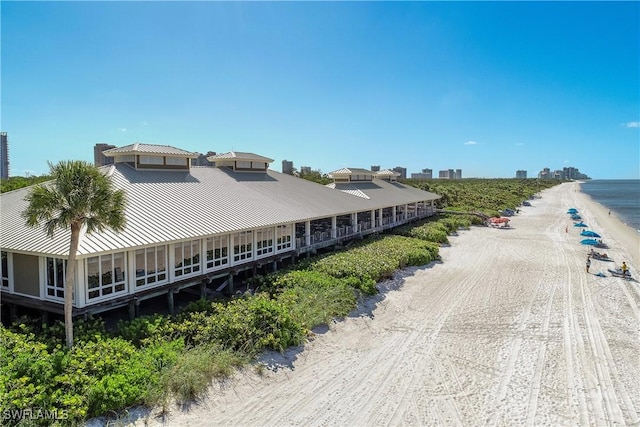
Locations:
{"points": [[601, 222]]}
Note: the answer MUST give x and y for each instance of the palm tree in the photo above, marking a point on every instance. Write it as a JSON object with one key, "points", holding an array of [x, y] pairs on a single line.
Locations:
{"points": [[79, 196]]}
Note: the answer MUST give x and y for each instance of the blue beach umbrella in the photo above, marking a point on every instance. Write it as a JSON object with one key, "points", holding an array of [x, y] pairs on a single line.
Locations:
{"points": [[580, 224], [572, 211], [576, 217], [590, 242], [589, 233]]}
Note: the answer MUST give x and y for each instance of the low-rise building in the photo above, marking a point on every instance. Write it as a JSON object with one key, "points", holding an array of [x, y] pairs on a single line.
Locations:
{"points": [[195, 226]]}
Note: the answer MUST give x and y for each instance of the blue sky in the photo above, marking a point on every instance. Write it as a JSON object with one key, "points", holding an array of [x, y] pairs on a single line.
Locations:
{"points": [[485, 87]]}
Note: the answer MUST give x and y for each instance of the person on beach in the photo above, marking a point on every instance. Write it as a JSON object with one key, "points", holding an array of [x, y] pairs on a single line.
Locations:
{"points": [[624, 268], [588, 263]]}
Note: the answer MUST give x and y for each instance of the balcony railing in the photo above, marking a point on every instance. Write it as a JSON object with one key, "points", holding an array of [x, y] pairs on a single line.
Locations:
{"points": [[320, 237]]}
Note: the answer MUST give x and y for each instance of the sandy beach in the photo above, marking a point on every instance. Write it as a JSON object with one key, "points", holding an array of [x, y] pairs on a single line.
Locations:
{"points": [[508, 330]]}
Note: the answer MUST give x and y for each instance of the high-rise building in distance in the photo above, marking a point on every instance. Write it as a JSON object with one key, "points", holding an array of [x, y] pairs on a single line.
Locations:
{"points": [[521, 174], [425, 174], [287, 167], [402, 171], [201, 160], [100, 159], [4, 156]]}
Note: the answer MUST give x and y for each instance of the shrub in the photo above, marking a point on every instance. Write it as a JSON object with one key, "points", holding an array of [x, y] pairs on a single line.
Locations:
{"points": [[315, 298], [196, 368], [139, 329]]}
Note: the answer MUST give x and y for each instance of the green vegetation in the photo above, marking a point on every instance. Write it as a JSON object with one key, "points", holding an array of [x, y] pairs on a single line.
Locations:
{"points": [[315, 176], [156, 360], [17, 182], [482, 195]]}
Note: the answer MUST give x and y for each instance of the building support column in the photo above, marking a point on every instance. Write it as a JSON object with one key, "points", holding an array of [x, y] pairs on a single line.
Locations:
{"points": [[393, 214], [334, 227], [230, 286], [307, 233], [373, 218], [132, 309], [170, 302], [45, 318], [274, 267], [203, 289]]}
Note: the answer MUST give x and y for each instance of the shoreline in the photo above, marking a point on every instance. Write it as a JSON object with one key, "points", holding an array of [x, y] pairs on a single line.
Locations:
{"points": [[509, 329], [635, 226], [610, 227]]}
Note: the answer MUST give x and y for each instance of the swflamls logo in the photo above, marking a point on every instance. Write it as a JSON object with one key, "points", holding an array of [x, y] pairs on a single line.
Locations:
{"points": [[33, 414]]}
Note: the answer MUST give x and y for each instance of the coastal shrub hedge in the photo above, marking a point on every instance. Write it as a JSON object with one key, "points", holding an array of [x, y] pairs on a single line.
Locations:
{"points": [[92, 378], [314, 298], [376, 260], [482, 195]]}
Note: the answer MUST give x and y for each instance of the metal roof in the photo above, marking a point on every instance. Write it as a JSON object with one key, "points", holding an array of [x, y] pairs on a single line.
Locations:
{"points": [[166, 206], [237, 155], [139, 148], [351, 171], [387, 172]]}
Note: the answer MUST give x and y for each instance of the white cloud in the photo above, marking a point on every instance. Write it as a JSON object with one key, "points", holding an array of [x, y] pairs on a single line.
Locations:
{"points": [[470, 143], [632, 124], [565, 162], [122, 129]]}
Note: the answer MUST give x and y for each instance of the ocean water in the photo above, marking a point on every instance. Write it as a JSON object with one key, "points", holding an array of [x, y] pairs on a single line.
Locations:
{"points": [[622, 196]]}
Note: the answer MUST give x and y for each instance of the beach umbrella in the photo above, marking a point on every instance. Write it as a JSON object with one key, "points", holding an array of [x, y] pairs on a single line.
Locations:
{"points": [[499, 220], [572, 211], [576, 217], [591, 242], [580, 224], [589, 233]]}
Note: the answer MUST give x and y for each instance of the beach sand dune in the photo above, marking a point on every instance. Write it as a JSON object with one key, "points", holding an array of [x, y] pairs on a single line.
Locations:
{"points": [[508, 330]]}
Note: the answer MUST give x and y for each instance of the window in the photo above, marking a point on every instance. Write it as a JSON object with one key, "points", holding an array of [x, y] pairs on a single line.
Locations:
{"points": [[242, 246], [125, 159], [181, 161], [105, 275], [56, 274], [283, 237], [187, 258], [4, 269], [217, 251], [151, 265], [243, 165], [151, 160], [264, 241]]}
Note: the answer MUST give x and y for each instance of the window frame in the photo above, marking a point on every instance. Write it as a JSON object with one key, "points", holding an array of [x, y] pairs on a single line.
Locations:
{"points": [[216, 252], [114, 287], [193, 266], [145, 279]]}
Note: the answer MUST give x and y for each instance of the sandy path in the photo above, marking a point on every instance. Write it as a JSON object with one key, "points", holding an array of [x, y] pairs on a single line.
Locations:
{"points": [[508, 330]]}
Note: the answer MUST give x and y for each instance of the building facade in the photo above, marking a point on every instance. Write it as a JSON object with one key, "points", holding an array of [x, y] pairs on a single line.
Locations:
{"points": [[202, 159], [4, 155], [521, 174], [424, 174], [287, 167], [196, 226], [98, 158], [402, 171]]}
